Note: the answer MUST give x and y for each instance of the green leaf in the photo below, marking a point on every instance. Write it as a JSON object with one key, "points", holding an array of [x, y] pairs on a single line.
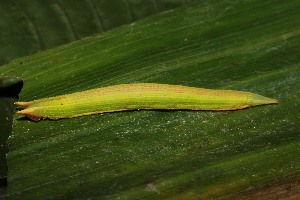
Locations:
{"points": [[31, 26], [244, 45]]}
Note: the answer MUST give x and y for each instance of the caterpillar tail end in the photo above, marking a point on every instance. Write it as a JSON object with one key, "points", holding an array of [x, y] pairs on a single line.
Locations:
{"points": [[23, 104], [261, 100], [30, 113]]}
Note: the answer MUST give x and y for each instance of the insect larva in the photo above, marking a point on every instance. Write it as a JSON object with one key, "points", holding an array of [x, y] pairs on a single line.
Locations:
{"points": [[139, 96]]}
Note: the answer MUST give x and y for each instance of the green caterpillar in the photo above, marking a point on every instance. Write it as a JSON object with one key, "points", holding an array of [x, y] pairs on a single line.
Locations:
{"points": [[139, 96]]}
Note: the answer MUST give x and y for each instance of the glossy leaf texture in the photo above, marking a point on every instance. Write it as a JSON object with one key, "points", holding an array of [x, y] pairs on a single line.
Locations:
{"points": [[242, 45], [31, 26]]}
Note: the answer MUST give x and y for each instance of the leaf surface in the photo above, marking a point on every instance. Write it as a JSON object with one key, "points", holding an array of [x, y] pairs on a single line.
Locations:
{"points": [[243, 45], [31, 26]]}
